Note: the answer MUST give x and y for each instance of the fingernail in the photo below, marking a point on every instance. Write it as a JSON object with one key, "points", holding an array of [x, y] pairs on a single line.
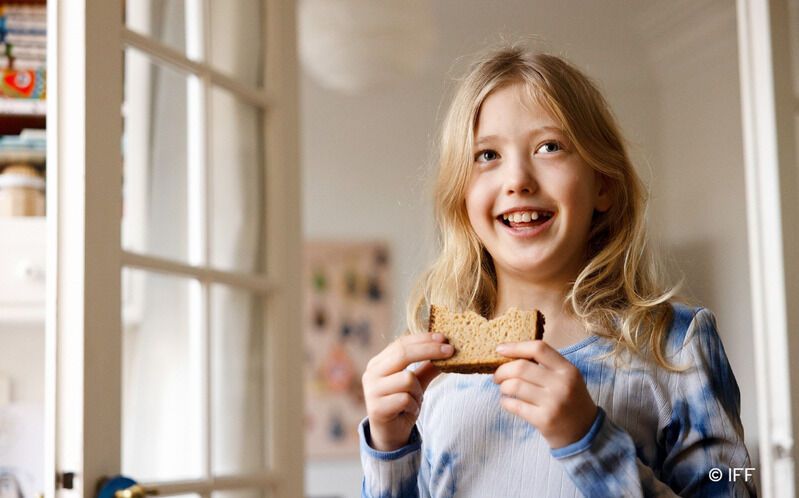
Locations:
{"points": [[437, 336], [503, 348], [447, 348]]}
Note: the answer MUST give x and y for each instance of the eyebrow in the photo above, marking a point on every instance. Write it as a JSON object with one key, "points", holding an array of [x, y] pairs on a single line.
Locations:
{"points": [[536, 131]]}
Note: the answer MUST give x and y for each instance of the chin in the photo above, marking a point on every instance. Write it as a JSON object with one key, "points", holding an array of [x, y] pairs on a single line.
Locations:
{"points": [[536, 269]]}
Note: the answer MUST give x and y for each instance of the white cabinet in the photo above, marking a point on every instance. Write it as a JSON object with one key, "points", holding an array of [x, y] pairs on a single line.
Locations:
{"points": [[23, 273], [22, 270], [22, 315]]}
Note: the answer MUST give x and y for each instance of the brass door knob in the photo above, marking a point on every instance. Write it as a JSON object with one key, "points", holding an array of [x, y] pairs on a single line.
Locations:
{"points": [[135, 491]]}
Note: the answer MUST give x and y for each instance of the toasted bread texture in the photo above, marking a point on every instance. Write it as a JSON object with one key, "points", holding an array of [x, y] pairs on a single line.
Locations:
{"points": [[475, 339]]}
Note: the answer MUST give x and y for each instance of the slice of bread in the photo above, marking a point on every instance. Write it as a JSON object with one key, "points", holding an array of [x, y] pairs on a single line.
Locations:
{"points": [[475, 338]]}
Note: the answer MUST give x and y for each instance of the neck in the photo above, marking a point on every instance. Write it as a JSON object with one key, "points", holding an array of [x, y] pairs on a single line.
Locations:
{"points": [[526, 295], [561, 328]]}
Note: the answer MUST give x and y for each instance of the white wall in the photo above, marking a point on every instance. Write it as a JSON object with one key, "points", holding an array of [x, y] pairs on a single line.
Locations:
{"points": [[699, 205], [670, 74]]}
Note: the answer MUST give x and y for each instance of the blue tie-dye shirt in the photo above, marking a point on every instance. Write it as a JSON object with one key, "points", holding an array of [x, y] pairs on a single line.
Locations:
{"points": [[657, 433]]}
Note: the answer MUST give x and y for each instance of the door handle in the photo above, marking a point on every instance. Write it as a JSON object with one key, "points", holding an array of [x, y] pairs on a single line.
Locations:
{"points": [[122, 487], [135, 491]]}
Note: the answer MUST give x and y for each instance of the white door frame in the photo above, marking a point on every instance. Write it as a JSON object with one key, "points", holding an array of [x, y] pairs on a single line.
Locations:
{"points": [[83, 325], [768, 106], [85, 257]]}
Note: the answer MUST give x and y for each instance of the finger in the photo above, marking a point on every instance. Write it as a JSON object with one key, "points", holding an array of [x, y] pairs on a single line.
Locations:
{"points": [[529, 412], [538, 351], [404, 381], [406, 339], [526, 371], [389, 407], [524, 391], [421, 337], [399, 355]]}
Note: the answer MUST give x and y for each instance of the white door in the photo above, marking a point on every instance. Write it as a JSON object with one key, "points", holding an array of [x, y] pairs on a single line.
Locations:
{"points": [[173, 331], [770, 106]]}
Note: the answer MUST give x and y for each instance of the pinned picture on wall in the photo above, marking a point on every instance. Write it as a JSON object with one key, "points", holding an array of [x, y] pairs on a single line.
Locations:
{"points": [[347, 320]]}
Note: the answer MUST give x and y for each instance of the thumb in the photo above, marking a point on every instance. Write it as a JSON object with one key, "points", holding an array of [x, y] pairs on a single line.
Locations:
{"points": [[426, 373]]}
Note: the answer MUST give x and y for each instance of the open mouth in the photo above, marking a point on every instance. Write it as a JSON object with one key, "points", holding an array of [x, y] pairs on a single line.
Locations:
{"points": [[525, 220]]}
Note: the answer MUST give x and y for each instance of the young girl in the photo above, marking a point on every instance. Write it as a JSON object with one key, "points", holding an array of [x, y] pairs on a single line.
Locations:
{"points": [[629, 394]]}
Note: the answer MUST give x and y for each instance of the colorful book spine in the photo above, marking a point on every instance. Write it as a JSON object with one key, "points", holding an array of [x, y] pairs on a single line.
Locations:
{"points": [[26, 40], [23, 58], [23, 10], [20, 64], [21, 52], [23, 24]]}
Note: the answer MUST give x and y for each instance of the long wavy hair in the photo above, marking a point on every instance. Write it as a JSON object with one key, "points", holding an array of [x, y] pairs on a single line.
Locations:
{"points": [[621, 292]]}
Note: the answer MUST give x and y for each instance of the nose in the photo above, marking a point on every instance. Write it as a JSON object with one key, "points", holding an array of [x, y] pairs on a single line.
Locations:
{"points": [[519, 176]]}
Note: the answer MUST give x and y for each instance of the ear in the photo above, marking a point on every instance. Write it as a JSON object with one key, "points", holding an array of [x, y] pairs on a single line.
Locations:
{"points": [[602, 201]]}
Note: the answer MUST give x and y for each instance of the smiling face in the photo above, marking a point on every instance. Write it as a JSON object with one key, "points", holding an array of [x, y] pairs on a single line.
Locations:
{"points": [[525, 167]]}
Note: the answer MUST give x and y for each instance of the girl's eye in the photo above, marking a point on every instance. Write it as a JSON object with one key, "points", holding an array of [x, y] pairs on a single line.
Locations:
{"points": [[549, 148], [486, 155]]}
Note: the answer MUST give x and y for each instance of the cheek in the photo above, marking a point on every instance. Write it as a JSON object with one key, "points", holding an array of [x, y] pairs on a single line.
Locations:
{"points": [[473, 213], [574, 191], [478, 202], [582, 207]]}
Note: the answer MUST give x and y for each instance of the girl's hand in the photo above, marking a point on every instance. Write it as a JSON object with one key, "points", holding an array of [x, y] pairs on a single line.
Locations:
{"points": [[393, 394], [550, 394]]}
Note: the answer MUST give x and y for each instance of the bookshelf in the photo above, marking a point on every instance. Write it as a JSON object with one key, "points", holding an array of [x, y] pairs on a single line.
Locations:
{"points": [[23, 245], [13, 124], [23, 89], [23, 47]]}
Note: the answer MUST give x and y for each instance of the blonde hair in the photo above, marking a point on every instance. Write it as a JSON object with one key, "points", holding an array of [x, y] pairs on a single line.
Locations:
{"points": [[620, 293]]}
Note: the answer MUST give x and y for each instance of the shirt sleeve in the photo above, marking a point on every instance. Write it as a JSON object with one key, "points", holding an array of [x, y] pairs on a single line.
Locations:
{"points": [[389, 474], [702, 441]]}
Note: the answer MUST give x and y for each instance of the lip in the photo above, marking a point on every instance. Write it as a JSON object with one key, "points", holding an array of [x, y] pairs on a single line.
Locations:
{"points": [[528, 233]]}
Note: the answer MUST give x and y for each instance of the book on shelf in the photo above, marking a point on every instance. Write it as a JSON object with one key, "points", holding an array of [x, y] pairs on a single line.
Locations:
{"points": [[29, 147], [27, 21], [34, 158], [26, 39], [21, 10], [23, 37], [23, 64], [23, 51], [34, 30], [35, 107]]}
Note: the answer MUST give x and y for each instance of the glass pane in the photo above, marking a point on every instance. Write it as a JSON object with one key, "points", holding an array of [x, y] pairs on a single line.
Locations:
{"points": [[237, 39], [237, 382], [237, 183], [162, 20], [162, 378], [155, 148]]}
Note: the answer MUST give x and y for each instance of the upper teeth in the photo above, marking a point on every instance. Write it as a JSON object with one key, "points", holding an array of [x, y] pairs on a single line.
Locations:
{"points": [[522, 216]]}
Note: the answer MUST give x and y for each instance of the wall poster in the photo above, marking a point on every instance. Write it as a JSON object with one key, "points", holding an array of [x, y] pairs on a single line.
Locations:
{"points": [[347, 320]]}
